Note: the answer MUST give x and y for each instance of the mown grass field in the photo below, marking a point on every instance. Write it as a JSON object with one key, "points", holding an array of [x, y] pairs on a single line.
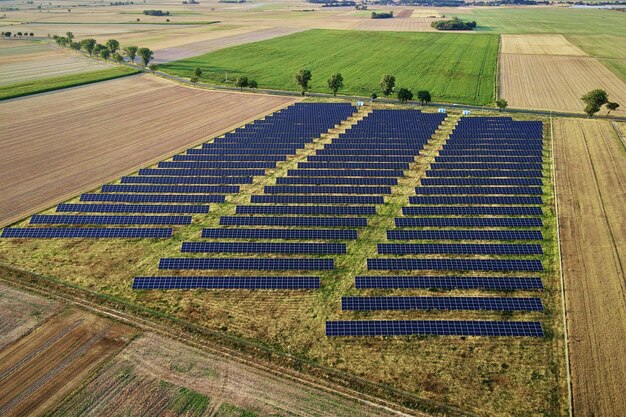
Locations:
{"points": [[453, 67], [64, 81]]}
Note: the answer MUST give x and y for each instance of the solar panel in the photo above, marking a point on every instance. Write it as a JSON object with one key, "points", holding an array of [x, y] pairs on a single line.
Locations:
{"points": [[360, 158], [294, 221], [247, 247], [309, 210], [246, 263], [131, 208], [153, 198], [485, 166], [147, 179], [464, 235], [209, 157], [474, 158], [85, 232], [449, 282], [218, 165], [184, 189], [469, 222], [479, 190], [337, 180], [230, 282], [286, 189], [345, 173], [482, 181], [455, 264], [433, 327], [484, 200], [354, 165], [484, 173], [82, 219], [329, 234], [203, 172], [317, 199], [442, 303], [471, 211], [458, 249]]}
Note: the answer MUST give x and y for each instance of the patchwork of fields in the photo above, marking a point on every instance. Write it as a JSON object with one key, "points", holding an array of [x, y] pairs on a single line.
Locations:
{"points": [[453, 67]]}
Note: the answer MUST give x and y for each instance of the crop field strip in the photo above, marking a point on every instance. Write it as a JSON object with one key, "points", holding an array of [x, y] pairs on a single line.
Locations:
{"points": [[457, 198]]}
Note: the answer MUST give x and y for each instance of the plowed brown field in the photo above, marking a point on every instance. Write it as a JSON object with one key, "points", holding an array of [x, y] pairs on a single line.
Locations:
{"points": [[539, 45], [591, 184], [57, 145]]}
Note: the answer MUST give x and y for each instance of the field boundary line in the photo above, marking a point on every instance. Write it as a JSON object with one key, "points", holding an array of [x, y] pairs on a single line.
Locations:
{"points": [[570, 397], [619, 133], [169, 154], [496, 84]]}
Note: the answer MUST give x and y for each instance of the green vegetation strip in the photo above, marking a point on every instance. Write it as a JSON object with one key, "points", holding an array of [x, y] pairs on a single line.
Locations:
{"points": [[56, 83], [458, 68]]}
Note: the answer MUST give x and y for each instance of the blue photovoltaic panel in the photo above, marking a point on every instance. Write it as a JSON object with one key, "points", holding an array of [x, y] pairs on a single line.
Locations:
{"points": [[209, 157], [153, 198], [433, 327], [469, 222], [486, 166], [369, 151], [489, 152], [455, 264], [471, 211], [185, 180], [294, 221], [464, 235], [458, 249], [482, 181], [442, 303], [344, 173], [361, 158], [479, 190], [85, 232], [317, 199], [248, 247], [230, 282], [474, 158], [183, 189], [476, 200], [81, 219], [131, 208], [336, 180], [218, 165], [329, 234], [449, 282], [308, 210], [353, 165], [245, 263], [286, 189], [228, 149], [203, 172], [477, 173]]}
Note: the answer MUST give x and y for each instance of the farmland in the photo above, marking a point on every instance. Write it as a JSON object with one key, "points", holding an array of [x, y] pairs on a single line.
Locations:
{"points": [[98, 112], [591, 185], [453, 67]]}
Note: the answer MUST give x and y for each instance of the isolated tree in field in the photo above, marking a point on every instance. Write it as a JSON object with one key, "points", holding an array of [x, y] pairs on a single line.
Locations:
{"points": [[253, 84], [197, 72], [501, 104], [146, 55], [387, 84], [241, 82], [117, 57], [611, 106], [594, 100], [88, 45], [303, 78], [32, 34], [404, 95], [105, 53], [374, 96], [423, 96], [335, 83], [131, 52], [112, 45], [70, 36]]}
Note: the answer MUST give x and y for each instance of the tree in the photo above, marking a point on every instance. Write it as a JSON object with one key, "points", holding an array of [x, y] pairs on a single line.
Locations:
{"points": [[197, 72], [75, 46], [611, 106], [404, 95], [241, 82], [423, 96], [152, 67], [70, 36], [112, 45], [303, 78], [501, 104], [131, 52], [117, 57], [194, 79], [594, 100], [253, 84], [32, 34], [7, 34], [98, 48], [19, 33], [387, 83], [146, 55], [335, 83], [105, 53], [374, 96], [88, 45]]}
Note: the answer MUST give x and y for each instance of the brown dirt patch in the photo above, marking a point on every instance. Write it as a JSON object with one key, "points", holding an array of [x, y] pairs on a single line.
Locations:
{"points": [[539, 45], [591, 181], [54, 146]]}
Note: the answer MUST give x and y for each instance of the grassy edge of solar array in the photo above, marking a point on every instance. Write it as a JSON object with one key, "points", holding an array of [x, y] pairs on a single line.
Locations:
{"points": [[169, 306], [45, 85]]}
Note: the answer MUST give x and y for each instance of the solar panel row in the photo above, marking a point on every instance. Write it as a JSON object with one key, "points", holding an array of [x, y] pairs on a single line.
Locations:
{"points": [[246, 263], [464, 235], [230, 282], [302, 234], [449, 282], [458, 249], [85, 232], [396, 264], [442, 303], [226, 247]]}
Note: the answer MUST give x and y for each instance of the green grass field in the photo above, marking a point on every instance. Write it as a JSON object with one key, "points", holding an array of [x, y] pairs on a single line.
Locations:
{"points": [[546, 20], [458, 68], [56, 83], [610, 50]]}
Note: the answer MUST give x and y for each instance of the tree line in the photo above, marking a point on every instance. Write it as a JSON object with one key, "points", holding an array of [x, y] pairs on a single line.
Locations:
{"points": [[8, 34]]}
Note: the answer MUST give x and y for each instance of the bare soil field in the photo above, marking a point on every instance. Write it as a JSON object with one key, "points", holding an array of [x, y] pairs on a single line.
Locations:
{"points": [[539, 45], [554, 82], [150, 373], [37, 371], [591, 185], [21, 312], [56, 145]]}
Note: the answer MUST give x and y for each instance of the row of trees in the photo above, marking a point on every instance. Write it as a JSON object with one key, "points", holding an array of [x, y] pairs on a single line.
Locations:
{"points": [[453, 24], [8, 34], [109, 50]]}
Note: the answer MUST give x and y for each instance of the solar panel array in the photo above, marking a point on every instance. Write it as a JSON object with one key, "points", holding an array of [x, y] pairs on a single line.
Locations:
{"points": [[433, 327], [230, 282], [449, 282], [442, 303]]}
